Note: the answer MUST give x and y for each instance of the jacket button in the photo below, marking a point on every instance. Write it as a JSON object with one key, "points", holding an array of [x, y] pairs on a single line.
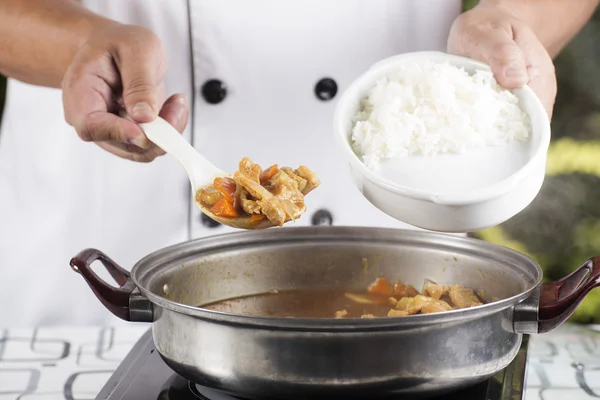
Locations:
{"points": [[322, 217], [326, 89], [208, 222], [214, 91]]}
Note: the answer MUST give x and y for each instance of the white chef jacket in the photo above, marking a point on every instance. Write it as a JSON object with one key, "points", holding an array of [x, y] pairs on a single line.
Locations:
{"points": [[262, 76]]}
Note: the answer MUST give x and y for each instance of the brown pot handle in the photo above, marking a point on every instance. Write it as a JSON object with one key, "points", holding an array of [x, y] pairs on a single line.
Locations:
{"points": [[559, 299], [116, 300]]}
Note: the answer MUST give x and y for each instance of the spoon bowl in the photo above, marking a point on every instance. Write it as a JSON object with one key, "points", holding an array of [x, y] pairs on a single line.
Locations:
{"points": [[200, 171]]}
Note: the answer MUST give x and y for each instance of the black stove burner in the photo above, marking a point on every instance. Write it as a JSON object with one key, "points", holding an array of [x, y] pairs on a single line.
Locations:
{"points": [[180, 388], [143, 375]]}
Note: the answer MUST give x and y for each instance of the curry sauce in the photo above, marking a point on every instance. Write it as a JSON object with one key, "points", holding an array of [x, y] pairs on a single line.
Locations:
{"points": [[381, 299]]}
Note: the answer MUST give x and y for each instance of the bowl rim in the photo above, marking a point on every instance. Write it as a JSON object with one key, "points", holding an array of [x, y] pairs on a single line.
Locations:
{"points": [[459, 198]]}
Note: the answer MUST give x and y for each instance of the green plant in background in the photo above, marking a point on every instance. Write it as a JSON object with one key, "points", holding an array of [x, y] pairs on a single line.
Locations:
{"points": [[468, 4]]}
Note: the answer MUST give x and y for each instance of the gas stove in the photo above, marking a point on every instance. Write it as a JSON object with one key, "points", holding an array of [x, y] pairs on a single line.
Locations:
{"points": [[143, 375]]}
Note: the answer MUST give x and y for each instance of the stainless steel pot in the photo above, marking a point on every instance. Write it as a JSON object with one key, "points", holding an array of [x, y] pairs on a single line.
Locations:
{"points": [[295, 358]]}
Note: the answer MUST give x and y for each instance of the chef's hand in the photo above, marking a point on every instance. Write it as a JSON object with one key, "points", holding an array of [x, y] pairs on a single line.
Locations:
{"points": [[120, 67], [494, 36]]}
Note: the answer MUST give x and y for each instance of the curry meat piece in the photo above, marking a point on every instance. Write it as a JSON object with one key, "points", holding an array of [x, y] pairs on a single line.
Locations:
{"points": [[397, 313], [423, 304], [463, 297], [435, 306], [402, 290], [406, 300], [434, 290], [280, 198], [209, 196]]}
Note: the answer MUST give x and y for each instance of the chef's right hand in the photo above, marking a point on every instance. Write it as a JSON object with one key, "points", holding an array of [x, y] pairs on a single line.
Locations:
{"points": [[120, 67]]}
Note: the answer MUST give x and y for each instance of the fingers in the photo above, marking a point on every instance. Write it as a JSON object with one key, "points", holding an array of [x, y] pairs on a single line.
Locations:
{"points": [[542, 73], [511, 49], [89, 97], [86, 100], [142, 65], [104, 127], [122, 68], [496, 47], [131, 152], [125, 138], [86, 91], [112, 131], [176, 111]]}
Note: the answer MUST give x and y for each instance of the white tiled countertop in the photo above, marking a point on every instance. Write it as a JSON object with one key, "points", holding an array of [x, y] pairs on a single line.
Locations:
{"points": [[74, 363], [61, 363]]}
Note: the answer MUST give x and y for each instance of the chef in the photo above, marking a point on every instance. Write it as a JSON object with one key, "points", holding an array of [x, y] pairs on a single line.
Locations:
{"points": [[237, 78]]}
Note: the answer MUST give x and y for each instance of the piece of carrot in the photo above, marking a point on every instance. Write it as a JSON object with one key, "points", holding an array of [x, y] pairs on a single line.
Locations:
{"points": [[226, 186], [381, 286], [268, 173], [223, 208], [257, 218]]}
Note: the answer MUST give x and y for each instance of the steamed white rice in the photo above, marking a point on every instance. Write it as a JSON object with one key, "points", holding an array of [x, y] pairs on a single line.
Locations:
{"points": [[435, 108]]}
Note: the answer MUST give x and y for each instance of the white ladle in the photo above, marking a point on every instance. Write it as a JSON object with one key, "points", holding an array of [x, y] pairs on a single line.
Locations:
{"points": [[201, 172]]}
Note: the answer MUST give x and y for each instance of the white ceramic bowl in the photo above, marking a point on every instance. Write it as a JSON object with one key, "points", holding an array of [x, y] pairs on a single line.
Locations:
{"points": [[450, 193]]}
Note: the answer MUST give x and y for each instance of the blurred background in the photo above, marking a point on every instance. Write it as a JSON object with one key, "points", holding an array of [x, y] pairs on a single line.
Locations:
{"points": [[561, 228]]}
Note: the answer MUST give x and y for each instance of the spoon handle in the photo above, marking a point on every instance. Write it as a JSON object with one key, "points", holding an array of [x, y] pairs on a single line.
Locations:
{"points": [[200, 171]]}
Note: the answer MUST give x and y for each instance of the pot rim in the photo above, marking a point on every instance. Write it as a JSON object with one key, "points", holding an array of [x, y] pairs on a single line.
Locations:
{"points": [[150, 265]]}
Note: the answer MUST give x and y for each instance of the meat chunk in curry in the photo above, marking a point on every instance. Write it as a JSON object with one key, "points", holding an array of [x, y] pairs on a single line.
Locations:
{"points": [[462, 297], [276, 194], [406, 300]]}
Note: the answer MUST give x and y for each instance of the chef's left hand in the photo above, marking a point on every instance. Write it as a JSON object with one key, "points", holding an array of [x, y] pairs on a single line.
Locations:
{"points": [[498, 38]]}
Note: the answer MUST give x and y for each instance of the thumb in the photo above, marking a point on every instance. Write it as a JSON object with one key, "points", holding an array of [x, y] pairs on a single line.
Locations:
{"points": [[497, 48], [140, 94], [142, 83]]}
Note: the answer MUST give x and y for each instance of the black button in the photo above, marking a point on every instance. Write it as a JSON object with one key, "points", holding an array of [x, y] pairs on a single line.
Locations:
{"points": [[322, 217], [208, 222], [326, 89], [214, 91]]}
